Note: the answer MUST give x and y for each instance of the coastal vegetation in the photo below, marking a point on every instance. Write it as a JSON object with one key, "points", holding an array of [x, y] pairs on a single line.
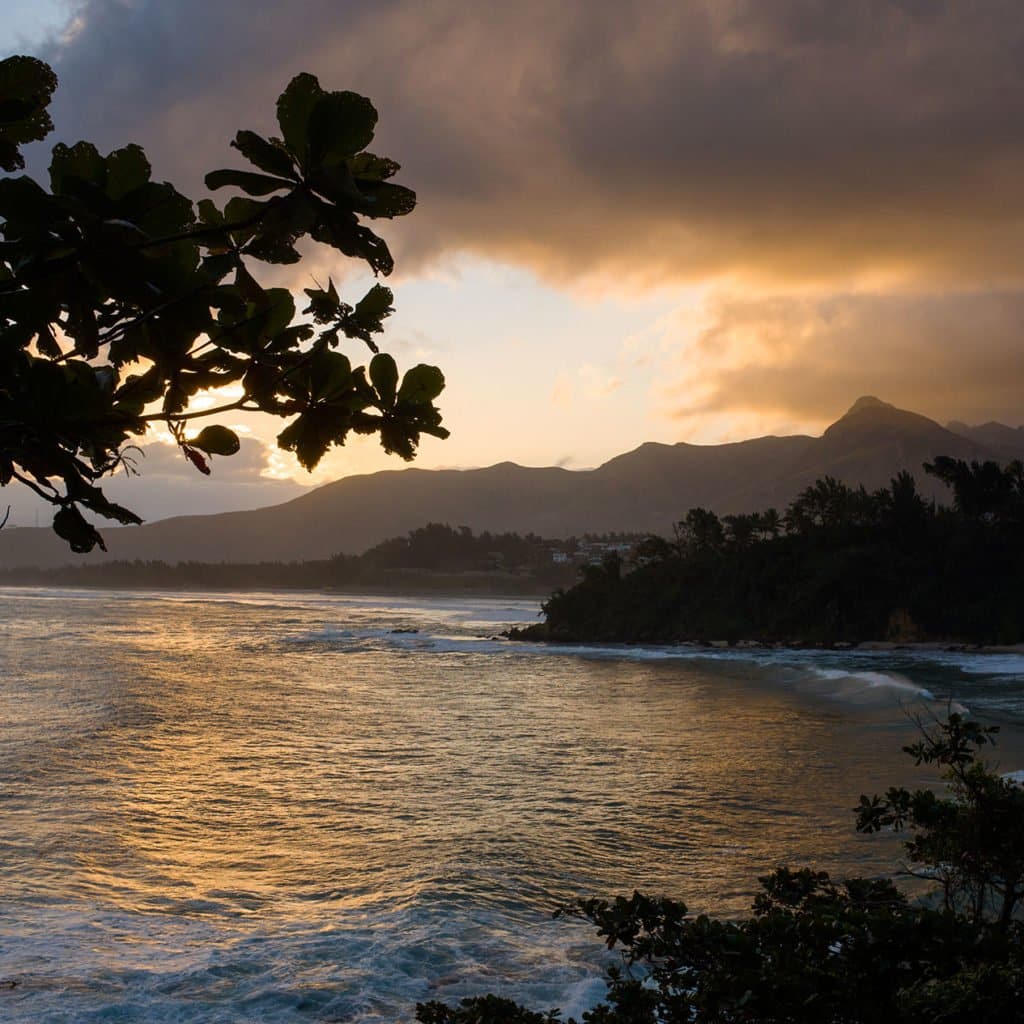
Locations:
{"points": [[122, 299], [434, 557], [840, 565], [814, 949]]}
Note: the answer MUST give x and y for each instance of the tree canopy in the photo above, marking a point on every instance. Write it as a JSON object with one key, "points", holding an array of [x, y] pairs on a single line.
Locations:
{"points": [[122, 299], [841, 565]]}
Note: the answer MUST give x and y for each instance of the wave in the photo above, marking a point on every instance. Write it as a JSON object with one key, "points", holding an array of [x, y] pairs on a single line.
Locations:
{"points": [[823, 674], [859, 687], [363, 969], [1008, 666]]}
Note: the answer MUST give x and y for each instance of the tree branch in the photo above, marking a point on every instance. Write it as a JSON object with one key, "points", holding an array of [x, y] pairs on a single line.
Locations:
{"points": [[240, 404]]}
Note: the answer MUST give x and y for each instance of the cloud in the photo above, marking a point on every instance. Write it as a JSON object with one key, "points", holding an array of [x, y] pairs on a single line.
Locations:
{"points": [[168, 484], [792, 141], [803, 361], [598, 383], [160, 459], [841, 179]]}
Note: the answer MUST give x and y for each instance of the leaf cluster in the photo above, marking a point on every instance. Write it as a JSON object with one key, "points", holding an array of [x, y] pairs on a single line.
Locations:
{"points": [[122, 299], [970, 840]]}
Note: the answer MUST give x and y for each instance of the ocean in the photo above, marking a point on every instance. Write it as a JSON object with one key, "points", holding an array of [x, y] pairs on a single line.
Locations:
{"points": [[304, 807]]}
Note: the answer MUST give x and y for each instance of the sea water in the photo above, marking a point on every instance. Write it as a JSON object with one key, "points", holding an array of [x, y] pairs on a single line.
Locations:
{"points": [[301, 807]]}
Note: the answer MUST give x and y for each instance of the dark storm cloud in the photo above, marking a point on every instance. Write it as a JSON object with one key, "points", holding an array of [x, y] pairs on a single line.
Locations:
{"points": [[806, 146], [775, 138]]}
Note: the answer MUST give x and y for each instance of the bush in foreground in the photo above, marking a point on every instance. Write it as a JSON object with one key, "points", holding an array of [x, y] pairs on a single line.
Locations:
{"points": [[815, 950]]}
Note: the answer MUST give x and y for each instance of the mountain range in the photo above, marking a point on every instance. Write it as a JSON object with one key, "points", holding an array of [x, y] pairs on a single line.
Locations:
{"points": [[644, 490]]}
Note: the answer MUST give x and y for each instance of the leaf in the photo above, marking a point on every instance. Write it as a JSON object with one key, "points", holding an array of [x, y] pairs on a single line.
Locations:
{"points": [[366, 319], [94, 499], [331, 375], [341, 124], [375, 305], [127, 170], [294, 107], [421, 385], [284, 221], [339, 228], [209, 215], [387, 200], [80, 162], [248, 181], [367, 167], [384, 377], [159, 209], [324, 305], [80, 534], [239, 210], [312, 433], [278, 312], [216, 440], [196, 459], [47, 344], [273, 159], [25, 207]]}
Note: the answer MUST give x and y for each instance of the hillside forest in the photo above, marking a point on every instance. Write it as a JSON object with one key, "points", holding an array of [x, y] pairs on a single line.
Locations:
{"points": [[841, 565]]}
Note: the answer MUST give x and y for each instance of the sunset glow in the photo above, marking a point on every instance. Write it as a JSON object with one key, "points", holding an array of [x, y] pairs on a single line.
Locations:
{"points": [[724, 227]]}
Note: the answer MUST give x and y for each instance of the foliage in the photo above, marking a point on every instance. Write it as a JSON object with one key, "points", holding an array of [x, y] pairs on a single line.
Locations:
{"points": [[972, 841], [842, 564], [122, 299], [26, 87], [815, 950]]}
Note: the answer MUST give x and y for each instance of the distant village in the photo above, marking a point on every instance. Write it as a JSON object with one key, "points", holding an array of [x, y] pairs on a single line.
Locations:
{"points": [[590, 552]]}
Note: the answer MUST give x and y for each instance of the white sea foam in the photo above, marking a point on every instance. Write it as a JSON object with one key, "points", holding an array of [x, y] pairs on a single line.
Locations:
{"points": [[839, 676], [976, 663], [867, 681]]}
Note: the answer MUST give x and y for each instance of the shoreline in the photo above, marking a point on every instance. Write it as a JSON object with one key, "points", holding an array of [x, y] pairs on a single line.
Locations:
{"points": [[441, 588], [528, 635]]}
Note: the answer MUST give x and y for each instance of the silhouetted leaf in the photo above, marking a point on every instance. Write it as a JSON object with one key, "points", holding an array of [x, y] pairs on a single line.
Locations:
{"points": [[80, 534], [384, 377], [127, 170], [216, 440], [340, 125], [273, 159], [324, 305], [294, 108], [387, 200], [248, 181], [422, 384], [367, 167], [313, 432], [331, 375], [339, 228], [80, 162]]}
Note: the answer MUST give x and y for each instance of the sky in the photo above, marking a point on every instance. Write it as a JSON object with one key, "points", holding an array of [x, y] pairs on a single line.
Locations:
{"points": [[697, 220]]}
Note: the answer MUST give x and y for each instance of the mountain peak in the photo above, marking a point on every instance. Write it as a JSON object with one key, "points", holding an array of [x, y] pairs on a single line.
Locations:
{"points": [[872, 420], [868, 402]]}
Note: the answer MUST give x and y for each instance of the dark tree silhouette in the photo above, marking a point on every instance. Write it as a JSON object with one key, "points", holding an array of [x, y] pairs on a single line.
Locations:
{"points": [[844, 565], [121, 299]]}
